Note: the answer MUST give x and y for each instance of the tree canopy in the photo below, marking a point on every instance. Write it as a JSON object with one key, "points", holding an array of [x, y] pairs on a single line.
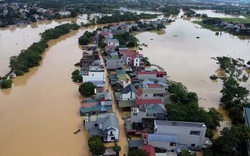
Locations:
{"points": [[87, 89], [230, 142], [137, 152], [95, 145], [5, 84]]}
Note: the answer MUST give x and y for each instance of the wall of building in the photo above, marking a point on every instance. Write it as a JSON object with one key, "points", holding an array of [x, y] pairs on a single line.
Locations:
{"points": [[112, 64], [115, 134], [89, 125], [184, 134], [113, 43], [106, 103], [129, 96], [137, 117], [152, 76], [165, 145], [94, 76]]}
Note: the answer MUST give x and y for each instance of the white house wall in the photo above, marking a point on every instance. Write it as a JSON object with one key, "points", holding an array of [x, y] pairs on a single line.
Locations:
{"points": [[183, 134], [129, 96], [165, 145], [115, 134], [94, 76]]}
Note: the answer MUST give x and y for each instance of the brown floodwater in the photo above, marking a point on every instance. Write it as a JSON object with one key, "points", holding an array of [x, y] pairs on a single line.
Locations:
{"points": [[39, 114]]}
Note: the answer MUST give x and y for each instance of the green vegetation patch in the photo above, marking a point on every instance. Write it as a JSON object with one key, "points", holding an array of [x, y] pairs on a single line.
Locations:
{"points": [[236, 20], [206, 26]]}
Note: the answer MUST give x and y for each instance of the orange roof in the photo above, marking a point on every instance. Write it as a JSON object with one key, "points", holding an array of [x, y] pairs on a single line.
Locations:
{"points": [[154, 86]]}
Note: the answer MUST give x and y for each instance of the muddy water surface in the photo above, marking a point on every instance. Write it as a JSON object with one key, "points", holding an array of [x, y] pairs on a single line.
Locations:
{"points": [[40, 113]]}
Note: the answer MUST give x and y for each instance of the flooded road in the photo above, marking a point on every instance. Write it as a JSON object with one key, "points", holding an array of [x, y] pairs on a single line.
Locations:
{"points": [[40, 113]]}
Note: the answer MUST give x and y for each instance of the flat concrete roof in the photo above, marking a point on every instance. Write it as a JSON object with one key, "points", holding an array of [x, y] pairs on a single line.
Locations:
{"points": [[181, 123]]}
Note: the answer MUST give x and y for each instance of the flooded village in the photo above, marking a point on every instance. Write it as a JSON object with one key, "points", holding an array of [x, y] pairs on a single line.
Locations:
{"points": [[43, 109]]}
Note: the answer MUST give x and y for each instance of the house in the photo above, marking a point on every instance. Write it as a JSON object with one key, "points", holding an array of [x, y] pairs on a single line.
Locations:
{"points": [[104, 98], [161, 76], [114, 61], [148, 111], [113, 79], [128, 92], [151, 93], [148, 83], [122, 76], [94, 74], [105, 125], [110, 48], [123, 104], [94, 109], [87, 58], [190, 134], [132, 58], [168, 142], [112, 42]]}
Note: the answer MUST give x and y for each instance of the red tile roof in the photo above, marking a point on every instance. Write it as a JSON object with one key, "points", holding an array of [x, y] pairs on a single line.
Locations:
{"points": [[84, 105], [150, 149], [151, 72], [154, 86], [130, 53], [148, 101]]}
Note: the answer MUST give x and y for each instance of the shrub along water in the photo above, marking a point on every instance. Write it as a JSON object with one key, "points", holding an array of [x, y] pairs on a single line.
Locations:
{"points": [[32, 56]]}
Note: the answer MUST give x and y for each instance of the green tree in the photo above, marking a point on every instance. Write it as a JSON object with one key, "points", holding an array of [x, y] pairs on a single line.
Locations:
{"points": [[231, 141], [77, 78], [117, 148], [185, 152], [137, 152], [76, 72], [236, 115], [232, 93], [83, 40], [95, 145], [215, 116], [86, 89], [180, 94], [6, 84]]}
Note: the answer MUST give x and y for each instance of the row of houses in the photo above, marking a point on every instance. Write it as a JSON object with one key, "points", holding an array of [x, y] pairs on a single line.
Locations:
{"points": [[141, 92]]}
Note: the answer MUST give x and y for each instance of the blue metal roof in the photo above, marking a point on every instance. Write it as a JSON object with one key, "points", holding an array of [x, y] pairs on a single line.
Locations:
{"points": [[162, 138], [247, 113]]}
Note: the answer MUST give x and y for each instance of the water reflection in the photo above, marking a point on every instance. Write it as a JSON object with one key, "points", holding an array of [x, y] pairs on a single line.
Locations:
{"points": [[6, 91]]}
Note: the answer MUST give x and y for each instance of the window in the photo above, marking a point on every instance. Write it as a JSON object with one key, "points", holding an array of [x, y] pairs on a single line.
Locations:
{"points": [[117, 62], [146, 95], [172, 144], [134, 114], [195, 132], [159, 75], [92, 74], [193, 145], [112, 138], [96, 125], [121, 62], [111, 133]]}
